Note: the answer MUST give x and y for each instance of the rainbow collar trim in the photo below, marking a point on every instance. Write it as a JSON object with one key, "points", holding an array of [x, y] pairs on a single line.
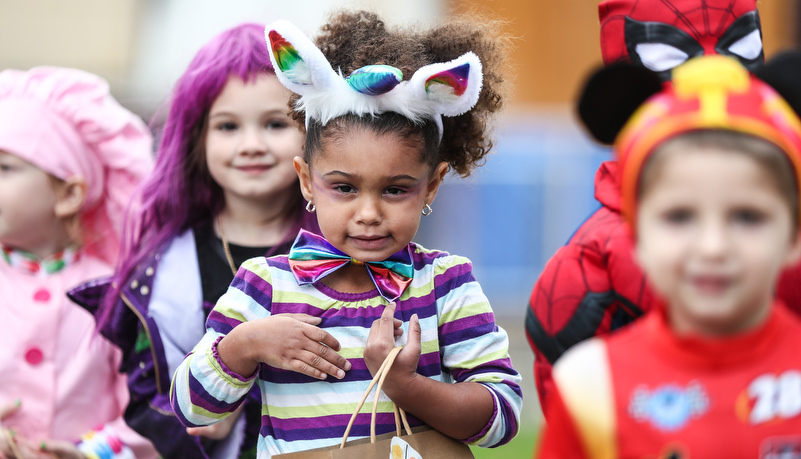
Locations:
{"points": [[31, 264]]}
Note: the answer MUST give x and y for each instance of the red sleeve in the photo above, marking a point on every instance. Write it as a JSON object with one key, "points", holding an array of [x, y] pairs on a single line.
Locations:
{"points": [[559, 439], [590, 286]]}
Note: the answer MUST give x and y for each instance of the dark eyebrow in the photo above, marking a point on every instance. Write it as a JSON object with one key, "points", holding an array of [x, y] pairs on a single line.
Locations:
{"points": [[273, 112], [336, 172], [403, 177], [351, 176]]}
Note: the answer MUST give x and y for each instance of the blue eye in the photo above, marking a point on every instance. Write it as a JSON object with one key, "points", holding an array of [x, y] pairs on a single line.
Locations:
{"points": [[748, 216], [227, 126], [678, 216], [6, 167]]}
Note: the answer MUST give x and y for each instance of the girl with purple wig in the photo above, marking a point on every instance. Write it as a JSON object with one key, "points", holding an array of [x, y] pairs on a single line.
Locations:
{"points": [[224, 190]]}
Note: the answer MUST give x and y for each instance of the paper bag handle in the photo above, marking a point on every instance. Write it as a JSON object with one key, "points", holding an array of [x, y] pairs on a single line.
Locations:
{"points": [[379, 377]]}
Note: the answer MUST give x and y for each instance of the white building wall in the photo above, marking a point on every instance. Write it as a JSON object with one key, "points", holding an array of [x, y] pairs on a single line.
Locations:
{"points": [[142, 46]]}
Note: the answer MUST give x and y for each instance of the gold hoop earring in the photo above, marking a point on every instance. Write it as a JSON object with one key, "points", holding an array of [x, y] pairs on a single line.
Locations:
{"points": [[310, 207], [426, 211]]}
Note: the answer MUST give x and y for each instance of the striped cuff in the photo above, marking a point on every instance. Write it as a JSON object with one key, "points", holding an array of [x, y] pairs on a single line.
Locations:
{"points": [[216, 354]]}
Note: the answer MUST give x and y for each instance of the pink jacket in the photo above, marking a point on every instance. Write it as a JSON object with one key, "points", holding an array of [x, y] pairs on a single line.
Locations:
{"points": [[65, 375]]}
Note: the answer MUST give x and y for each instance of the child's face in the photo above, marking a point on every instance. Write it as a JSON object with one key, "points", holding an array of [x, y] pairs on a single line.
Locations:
{"points": [[27, 204], [713, 233], [369, 190], [251, 141]]}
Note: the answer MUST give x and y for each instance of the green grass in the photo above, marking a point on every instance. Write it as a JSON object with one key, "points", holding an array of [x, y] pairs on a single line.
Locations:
{"points": [[521, 447]]}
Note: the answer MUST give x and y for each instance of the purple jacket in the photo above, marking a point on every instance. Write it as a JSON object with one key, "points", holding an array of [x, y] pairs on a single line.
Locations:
{"points": [[135, 330]]}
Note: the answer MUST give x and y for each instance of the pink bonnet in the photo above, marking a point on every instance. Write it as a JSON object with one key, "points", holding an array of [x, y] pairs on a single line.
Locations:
{"points": [[66, 122]]}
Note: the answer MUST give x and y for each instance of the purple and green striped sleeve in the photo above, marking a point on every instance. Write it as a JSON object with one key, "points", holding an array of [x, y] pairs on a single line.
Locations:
{"points": [[475, 349], [204, 391]]}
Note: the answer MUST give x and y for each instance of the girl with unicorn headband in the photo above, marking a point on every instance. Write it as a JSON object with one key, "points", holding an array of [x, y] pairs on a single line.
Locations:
{"points": [[377, 149]]}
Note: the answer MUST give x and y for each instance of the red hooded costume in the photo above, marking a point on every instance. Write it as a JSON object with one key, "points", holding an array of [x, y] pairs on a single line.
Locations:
{"points": [[651, 390], [593, 285]]}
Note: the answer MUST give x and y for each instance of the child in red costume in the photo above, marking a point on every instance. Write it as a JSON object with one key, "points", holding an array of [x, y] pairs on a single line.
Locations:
{"points": [[592, 285], [709, 169]]}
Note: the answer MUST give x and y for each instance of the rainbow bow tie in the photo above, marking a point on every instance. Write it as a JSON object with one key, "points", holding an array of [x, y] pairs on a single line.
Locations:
{"points": [[312, 257]]}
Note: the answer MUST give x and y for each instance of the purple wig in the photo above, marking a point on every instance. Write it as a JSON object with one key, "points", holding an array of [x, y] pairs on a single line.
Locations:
{"points": [[181, 193]]}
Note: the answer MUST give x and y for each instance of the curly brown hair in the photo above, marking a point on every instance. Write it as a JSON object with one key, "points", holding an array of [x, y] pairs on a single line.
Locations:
{"points": [[351, 40]]}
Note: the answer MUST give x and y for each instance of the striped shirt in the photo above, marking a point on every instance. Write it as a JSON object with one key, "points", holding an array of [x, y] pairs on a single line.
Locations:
{"points": [[460, 342]]}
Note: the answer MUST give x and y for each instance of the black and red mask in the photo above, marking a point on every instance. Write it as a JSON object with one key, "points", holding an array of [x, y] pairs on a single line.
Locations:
{"points": [[661, 34]]}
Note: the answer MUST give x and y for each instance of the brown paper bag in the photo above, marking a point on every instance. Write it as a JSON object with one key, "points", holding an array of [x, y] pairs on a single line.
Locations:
{"points": [[429, 443]]}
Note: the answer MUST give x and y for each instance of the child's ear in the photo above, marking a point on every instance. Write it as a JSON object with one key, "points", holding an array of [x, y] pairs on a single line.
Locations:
{"points": [[304, 176], [70, 197], [794, 254], [436, 179]]}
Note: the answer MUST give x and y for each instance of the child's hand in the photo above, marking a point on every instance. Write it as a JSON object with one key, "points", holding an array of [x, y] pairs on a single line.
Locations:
{"points": [[25, 448], [287, 341], [60, 449], [21, 445], [293, 342], [217, 431], [405, 364], [381, 340], [9, 409]]}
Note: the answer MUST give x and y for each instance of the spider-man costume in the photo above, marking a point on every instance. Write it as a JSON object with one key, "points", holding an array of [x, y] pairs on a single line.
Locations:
{"points": [[661, 34], [593, 285]]}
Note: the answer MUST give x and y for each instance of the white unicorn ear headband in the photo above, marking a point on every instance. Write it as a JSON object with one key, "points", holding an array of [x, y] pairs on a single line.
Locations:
{"points": [[448, 88]]}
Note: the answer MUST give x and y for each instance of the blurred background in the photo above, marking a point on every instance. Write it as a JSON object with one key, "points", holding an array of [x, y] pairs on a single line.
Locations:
{"points": [[509, 217]]}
